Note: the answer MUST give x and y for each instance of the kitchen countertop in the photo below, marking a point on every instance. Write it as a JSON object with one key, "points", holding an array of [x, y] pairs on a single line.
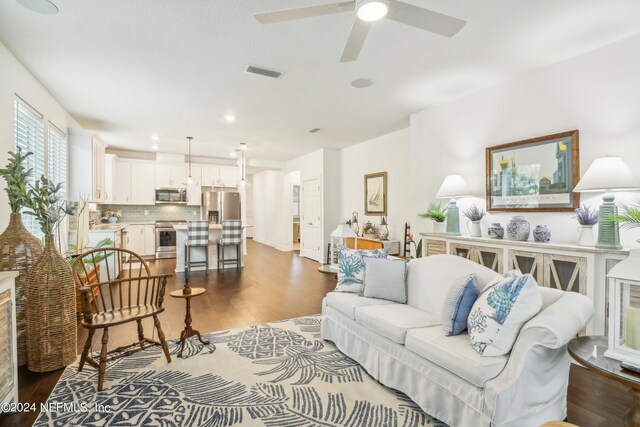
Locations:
{"points": [[105, 226], [183, 227]]}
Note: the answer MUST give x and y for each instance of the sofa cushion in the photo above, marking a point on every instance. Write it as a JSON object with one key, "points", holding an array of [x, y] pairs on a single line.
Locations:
{"points": [[385, 278], [429, 279], [394, 320], [346, 303], [500, 311], [351, 267], [460, 298], [455, 354]]}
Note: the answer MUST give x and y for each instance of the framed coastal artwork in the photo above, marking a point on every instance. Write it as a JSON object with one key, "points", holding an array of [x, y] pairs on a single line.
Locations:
{"points": [[375, 194], [535, 175]]}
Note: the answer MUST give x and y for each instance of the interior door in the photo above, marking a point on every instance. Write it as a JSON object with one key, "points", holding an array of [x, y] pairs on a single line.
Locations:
{"points": [[311, 239]]}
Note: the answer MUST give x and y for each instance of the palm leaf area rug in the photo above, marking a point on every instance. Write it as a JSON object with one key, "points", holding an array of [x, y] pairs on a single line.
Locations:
{"points": [[275, 374]]}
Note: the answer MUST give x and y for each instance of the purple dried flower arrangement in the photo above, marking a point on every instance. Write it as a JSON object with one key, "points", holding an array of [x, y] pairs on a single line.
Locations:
{"points": [[586, 216]]}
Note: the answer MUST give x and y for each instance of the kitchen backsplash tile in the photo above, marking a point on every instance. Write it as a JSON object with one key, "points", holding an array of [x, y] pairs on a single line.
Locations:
{"points": [[132, 213]]}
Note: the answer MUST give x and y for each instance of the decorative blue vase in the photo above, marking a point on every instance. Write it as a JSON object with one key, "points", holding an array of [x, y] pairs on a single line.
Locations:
{"points": [[496, 231], [518, 229], [541, 234]]}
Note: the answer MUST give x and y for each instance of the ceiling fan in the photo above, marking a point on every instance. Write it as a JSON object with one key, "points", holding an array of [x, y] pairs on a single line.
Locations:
{"points": [[367, 12]]}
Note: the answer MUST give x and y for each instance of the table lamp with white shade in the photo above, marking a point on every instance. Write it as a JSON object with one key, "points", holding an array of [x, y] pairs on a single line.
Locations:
{"points": [[608, 174], [339, 236], [453, 186]]}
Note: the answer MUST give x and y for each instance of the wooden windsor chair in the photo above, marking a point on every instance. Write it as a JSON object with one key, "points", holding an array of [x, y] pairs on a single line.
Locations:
{"points": [[112, 296]]}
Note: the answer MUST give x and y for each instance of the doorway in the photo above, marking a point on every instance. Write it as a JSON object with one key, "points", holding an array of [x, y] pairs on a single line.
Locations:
{"points": [[295, 212]]}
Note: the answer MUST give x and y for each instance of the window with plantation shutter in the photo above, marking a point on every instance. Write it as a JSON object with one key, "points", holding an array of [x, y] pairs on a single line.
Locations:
{"points": [[29, 136], [57, 142]]}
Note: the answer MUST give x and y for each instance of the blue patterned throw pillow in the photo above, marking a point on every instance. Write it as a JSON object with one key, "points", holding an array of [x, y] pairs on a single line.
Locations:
{"points": [[502, 308], [457, 305], [351, 267]]}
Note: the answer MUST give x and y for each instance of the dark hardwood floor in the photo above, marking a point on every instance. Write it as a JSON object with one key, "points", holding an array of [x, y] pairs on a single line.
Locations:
{"points": [[278, 285]]}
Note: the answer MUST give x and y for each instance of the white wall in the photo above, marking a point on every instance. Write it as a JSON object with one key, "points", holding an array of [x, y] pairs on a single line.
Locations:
{"points": [[16, 80], [267, 202], [389, 153], [597, 93]]}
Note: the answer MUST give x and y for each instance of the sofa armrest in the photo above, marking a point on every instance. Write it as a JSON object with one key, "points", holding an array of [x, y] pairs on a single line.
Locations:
{"points": [[538, 367]]}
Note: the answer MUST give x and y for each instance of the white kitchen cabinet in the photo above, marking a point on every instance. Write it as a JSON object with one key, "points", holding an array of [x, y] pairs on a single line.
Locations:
{"points": [[86, 167], [134, 238], [195, 189], [143, 184], [149, 236], [210, 175], [141, 239], [225, 176], [121, 183], [171, 176], [229, 176], [109, 177]]}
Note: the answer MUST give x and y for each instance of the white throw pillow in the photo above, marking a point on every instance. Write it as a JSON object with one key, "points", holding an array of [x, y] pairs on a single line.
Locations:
{"points": [[385, 279], [351, 267], [502, 308]]}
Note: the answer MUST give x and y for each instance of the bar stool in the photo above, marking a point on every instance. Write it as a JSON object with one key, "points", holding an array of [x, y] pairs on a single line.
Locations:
{"points": [[197, 237], [231, 235]]}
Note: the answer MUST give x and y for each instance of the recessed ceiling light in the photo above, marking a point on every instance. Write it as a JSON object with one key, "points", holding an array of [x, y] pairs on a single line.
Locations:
{"points": [[230, 118], [372, 10], [155, 137], [361, 83], [233, 154], [155, 147], [40, 6]]}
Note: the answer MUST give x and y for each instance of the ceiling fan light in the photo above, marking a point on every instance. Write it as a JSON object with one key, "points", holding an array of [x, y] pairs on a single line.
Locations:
{"points": [[372, 10]]}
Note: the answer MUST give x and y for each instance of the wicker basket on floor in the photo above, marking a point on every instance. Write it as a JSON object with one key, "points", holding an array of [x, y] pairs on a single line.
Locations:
{"points": [[19, 250], [51, 312]]}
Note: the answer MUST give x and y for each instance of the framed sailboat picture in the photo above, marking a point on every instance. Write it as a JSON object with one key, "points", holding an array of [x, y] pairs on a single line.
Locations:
{"points": [[375, 194]]}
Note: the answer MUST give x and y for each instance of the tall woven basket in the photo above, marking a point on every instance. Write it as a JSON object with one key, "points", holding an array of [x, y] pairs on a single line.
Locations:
{"points": [[51, 312], [19, 250]]}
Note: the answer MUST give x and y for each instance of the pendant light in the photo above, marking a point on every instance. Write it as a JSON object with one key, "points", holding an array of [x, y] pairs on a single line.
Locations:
{"points": [[243, 148], [190, 178]]}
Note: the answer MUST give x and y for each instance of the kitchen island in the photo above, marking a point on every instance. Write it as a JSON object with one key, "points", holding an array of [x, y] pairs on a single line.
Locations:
{"points": [[198, 253]]}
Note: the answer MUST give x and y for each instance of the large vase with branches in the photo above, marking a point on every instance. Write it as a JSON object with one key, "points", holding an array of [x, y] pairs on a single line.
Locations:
{"points": [[19, 249], [50, 291]]}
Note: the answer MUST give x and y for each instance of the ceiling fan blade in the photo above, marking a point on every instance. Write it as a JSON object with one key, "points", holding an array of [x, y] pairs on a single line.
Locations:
{"points": [[304, 12], [424, 19], [356, 40]]}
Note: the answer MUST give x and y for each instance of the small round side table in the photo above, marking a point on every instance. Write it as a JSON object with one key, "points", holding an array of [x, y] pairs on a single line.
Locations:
{"points": [[188, 330]]}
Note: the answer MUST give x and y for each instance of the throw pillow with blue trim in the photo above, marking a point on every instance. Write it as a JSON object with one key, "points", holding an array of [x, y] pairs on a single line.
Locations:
{"points": [[502, 308], [351, 267], [457, 305]]}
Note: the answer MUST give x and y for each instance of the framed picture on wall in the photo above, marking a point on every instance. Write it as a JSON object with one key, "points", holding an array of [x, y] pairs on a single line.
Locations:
{"points": [[535, 175], [375, 194]]}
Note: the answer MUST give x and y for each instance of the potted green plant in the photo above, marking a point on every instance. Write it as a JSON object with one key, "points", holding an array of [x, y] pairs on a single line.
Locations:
{"points": [[19, 249], [630, 216], [438, 214], [50, 290]]}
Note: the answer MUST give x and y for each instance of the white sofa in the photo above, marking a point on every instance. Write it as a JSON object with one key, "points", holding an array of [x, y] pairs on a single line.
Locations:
{"points": [[404, 347]]}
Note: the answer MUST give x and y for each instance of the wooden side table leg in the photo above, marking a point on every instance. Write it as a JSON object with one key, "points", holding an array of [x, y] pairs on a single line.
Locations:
{"points": [[632, 418]]}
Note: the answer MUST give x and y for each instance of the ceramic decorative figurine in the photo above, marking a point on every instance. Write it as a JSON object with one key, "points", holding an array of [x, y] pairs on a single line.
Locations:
{"points": [[541, 234], [518, 228], [496, 231]]}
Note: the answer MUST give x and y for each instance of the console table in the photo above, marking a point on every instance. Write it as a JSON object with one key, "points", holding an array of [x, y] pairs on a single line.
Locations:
{"points": [[557, 265], [8, 339]]}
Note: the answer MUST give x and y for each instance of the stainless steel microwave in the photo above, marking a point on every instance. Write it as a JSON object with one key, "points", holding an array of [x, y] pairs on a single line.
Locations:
{"points": [[171, 195]]}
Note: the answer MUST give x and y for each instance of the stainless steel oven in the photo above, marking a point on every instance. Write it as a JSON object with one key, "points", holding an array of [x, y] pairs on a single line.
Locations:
{"points": [[166, 239]]}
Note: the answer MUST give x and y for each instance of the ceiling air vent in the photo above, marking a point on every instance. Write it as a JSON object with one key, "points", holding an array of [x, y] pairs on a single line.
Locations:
{"points": [[314, 130], [262, 71]]}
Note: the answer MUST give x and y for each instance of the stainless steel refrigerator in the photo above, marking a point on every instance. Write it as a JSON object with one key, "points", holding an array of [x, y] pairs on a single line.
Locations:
{"points": [[220, 205]]}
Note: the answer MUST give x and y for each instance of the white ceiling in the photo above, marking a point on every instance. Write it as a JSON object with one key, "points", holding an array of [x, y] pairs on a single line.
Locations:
{"points": [[132, 68]]}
